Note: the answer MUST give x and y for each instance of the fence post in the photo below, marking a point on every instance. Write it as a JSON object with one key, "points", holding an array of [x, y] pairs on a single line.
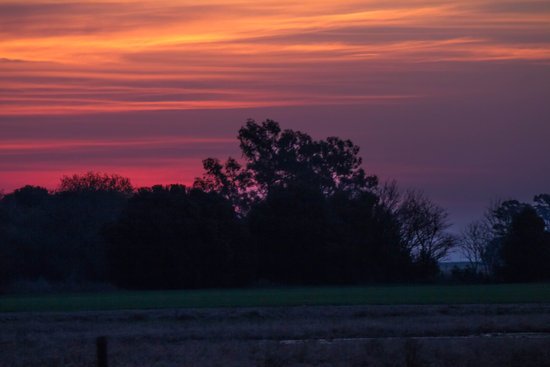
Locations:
{"points": [[101, 343]]}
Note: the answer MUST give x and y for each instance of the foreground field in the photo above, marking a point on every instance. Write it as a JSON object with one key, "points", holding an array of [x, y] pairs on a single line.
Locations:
{"points": [[420, 335], [270, 297], [480, 325]]}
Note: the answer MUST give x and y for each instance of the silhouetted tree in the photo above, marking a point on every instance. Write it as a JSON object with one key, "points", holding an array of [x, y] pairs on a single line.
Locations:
{"points": [[480, 242], [501, 214], [525, 249], [486, 237], [423, 227], [173, 237], [304, 191], [279, 158], [474, 243], [230, 180]]}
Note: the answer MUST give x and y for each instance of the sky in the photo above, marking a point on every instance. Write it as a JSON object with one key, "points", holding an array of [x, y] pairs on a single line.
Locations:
{"points": [[448, 97]]}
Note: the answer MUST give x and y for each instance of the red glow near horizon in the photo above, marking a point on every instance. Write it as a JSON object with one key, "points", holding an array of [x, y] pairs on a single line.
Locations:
{"points": [[139, 177]]}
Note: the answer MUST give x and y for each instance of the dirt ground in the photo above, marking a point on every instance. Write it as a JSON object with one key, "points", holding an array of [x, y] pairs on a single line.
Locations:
{"points": [[457, 335]]}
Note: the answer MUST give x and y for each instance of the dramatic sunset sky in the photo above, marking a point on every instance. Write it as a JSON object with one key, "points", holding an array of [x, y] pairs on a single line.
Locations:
{"points": [[451, 97]]}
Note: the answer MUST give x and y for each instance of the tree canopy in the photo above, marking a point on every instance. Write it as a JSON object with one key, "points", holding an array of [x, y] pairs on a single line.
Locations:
{"points": [[276, 158]]}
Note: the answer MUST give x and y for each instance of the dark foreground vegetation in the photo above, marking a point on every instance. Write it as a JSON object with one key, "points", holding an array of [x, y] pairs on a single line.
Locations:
{"points": [[351, 336], [298, 211]]}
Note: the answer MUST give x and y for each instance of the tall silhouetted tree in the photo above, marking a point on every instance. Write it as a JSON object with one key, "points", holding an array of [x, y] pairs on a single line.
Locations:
{"points": [[279, 158], [307, 191]]}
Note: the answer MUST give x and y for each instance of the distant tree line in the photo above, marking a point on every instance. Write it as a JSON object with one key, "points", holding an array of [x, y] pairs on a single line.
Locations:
{"points": [[296, 211]]}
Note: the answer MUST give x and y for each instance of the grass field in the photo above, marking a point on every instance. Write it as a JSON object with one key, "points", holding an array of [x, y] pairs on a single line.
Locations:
{"points": [[272, 297], [321, 336]]}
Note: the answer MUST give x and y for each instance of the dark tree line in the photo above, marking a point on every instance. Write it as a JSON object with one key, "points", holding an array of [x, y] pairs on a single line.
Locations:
{"points": [[174, 237], [57, 236], [294, 211], [315, 216]]}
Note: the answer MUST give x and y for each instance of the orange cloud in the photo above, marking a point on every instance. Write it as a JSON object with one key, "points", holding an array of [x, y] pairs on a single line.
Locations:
{"points": [[125, 55]]}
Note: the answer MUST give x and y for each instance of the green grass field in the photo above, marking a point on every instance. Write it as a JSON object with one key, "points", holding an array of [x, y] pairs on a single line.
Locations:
{"points": [[270, 297]]}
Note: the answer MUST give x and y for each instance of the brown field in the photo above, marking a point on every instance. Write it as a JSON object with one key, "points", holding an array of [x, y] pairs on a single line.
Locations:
{"points": [[439, 335]]}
